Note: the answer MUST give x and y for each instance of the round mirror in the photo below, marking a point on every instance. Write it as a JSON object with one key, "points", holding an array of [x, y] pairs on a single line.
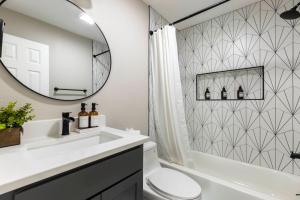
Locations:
{"points": [[53, 48]]}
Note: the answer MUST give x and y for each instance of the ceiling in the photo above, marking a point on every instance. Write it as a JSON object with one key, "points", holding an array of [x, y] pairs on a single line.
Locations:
{"points": [[173, 10], [59, 13]]}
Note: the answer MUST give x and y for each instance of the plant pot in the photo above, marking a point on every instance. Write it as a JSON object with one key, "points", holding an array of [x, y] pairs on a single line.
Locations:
{"points": [[10, 137]]}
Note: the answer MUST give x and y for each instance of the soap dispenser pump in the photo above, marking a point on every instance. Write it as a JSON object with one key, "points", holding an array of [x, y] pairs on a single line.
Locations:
{"points": [[207, 94], [94, 116], [83, 117], [240, 93], [224, 94]]}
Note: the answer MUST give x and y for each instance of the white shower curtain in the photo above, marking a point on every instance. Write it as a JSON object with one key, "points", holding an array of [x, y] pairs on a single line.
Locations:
{"points": [[166, 98]]}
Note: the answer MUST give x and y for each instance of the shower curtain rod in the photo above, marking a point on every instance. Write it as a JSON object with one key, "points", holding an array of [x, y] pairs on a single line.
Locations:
{"points": [[196, 13]]}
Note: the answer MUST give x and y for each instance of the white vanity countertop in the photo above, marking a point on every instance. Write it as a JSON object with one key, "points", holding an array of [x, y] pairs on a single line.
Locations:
{"points": [[20, 167]]}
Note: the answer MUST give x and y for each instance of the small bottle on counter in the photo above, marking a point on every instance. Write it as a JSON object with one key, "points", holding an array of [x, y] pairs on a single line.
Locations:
{"points": [[240, 93], [207, 94], [224, 94], [83, 117], [94, 117]]}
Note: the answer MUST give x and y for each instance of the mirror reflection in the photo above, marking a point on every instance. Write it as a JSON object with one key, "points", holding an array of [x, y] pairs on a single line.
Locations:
{"points": [[54, 48]]}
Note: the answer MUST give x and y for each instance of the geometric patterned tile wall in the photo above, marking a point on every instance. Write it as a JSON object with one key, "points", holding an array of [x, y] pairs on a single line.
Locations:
{"points": [[156, 20], [256, 132]]}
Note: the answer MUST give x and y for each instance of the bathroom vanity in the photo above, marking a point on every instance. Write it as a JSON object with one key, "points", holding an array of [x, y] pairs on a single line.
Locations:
{"points": [[103, 165], [117, 177]]}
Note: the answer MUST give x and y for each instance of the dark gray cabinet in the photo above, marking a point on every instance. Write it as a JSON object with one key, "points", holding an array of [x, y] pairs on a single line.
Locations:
{"points": [[98, 197], [119, 177], [129, 189]]}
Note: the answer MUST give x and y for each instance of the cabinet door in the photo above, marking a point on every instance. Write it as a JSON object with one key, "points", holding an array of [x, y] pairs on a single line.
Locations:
{"points": [[98, 197], [7, 196], [129, 189]]}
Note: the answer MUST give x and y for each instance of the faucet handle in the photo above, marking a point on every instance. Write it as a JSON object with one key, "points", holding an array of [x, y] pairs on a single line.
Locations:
{"points": [[66, 114]]}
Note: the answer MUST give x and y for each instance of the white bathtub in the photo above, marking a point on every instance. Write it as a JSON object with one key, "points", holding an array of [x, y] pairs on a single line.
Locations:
{"points": [[223, 179]]}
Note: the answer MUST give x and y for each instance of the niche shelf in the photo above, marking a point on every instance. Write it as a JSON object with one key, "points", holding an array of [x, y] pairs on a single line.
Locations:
{"points": [[250, 79]]}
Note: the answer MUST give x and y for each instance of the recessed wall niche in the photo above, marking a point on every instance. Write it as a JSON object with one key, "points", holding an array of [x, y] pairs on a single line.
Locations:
{"points": [[250, 80]]}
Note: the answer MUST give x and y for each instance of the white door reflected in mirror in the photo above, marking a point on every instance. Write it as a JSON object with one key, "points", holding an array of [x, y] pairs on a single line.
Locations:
{"points": [[28, 61]]}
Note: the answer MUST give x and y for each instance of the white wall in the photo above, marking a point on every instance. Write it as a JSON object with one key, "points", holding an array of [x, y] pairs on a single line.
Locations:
{"points": [[124, 99]]}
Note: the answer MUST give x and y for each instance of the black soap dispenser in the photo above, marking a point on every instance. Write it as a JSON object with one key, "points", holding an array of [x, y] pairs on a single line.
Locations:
{"points": [[224, 94], [240, 93], [207, 94]]}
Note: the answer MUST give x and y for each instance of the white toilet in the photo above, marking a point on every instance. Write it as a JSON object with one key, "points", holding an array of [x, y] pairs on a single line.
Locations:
{"points": [[163, 183]]}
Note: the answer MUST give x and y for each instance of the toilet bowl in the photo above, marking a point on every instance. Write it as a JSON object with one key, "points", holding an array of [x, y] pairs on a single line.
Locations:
{"points": [[164, 183]]}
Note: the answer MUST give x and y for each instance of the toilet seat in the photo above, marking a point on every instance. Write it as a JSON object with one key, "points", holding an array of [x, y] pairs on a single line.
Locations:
{"points": [[173, 185]]}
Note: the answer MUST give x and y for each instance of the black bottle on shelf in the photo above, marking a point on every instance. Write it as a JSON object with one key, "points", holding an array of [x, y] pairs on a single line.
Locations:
{"points": [[240, 93], [224, 94], [207, 94]]}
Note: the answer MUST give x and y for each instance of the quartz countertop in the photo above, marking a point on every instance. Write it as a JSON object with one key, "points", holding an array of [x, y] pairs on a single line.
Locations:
{"points": [[20, 167]]}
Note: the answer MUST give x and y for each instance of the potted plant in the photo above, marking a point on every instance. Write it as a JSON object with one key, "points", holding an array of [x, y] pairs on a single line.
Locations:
{"points": [[11, 121]]}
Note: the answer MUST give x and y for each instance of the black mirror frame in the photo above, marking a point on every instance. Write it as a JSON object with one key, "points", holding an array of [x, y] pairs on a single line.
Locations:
{"points": [[1, 35], [65, 100]]}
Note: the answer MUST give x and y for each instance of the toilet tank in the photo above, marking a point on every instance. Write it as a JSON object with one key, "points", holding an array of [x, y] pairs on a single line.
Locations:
{"points": [[150, 157]]}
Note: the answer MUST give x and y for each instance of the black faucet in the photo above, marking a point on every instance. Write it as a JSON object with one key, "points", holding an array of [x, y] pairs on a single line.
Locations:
{"points": [[65, 123], [295, 155]]}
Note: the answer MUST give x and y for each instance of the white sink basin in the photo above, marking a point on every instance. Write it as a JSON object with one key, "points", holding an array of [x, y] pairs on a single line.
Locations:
{"points": [[69, 144]]}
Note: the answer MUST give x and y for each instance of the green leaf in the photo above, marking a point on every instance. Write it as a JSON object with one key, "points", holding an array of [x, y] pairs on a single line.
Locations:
{"points": [[12, 117], [2, 126]]}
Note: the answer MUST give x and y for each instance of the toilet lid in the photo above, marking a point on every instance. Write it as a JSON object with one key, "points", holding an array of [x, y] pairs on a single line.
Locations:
{"points": [[173, 184]]}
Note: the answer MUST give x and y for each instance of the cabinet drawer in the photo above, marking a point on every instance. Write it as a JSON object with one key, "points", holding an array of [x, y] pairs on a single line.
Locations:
{"points": [[98, 197], [129, 189], [86, 181]]}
